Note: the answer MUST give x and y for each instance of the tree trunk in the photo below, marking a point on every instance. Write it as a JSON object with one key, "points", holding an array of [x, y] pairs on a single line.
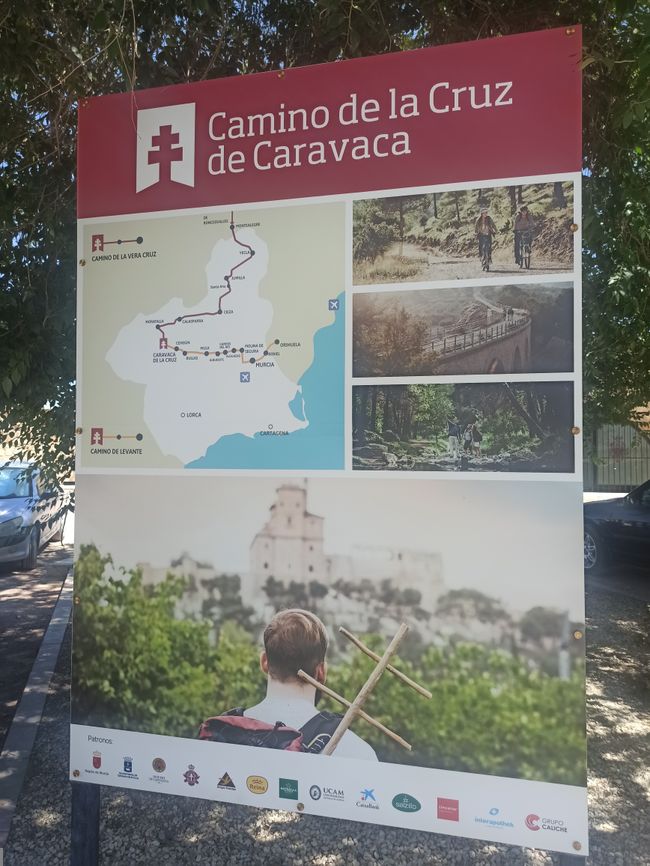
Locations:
{"points": [[559, 199], [388, 419], [401, 227], [373, 408], [533, 427], [435, 205], [362, 414], [513, 199], [456, 195]]}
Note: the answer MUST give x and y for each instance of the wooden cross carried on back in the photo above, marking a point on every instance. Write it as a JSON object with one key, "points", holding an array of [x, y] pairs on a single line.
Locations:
{"points": [[355, 708]]}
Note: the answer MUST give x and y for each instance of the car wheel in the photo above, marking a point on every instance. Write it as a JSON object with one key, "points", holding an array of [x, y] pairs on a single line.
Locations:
{"points": [[30, 561], [594, 555]]}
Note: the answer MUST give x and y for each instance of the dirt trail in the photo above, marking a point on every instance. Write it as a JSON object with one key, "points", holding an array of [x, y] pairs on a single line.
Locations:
{"points": [[437, 266]]}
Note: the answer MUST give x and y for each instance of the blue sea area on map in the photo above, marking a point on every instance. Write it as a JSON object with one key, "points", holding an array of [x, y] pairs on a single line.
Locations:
{"points": [[317, 446]]}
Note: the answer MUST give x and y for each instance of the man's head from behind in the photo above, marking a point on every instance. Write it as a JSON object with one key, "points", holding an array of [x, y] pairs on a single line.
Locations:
{"points": [[294, 640]]}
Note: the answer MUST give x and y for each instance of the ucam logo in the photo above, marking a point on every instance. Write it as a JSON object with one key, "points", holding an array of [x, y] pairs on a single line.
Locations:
{"points": [[165, 145]]}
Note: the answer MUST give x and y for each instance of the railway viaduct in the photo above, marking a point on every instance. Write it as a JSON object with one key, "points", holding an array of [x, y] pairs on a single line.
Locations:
{"points": [[501, 348]]}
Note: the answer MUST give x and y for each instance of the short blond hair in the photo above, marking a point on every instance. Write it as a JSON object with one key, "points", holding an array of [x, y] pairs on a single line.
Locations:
{"points": [[294, 640]]}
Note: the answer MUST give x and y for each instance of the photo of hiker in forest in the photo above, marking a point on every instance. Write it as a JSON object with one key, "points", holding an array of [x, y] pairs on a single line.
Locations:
{"points": [[494, 427], [458, 234], [462, 330]]}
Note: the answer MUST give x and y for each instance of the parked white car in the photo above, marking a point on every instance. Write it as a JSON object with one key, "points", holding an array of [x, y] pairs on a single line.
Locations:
{"points": [[30, 515]]}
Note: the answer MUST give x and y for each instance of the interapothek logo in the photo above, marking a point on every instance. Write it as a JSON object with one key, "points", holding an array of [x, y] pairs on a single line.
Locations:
{"points": [[165, 145]]}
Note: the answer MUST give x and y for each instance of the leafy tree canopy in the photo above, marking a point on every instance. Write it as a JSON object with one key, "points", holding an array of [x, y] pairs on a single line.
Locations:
{"points": [[56, 53]]}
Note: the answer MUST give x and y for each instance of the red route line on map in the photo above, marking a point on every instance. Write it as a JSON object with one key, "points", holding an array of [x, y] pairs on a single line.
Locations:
{"points": [[227, 278]]}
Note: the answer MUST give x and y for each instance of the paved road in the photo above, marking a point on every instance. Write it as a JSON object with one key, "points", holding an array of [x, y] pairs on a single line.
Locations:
{"points": [[27, 600], [630, 580]]}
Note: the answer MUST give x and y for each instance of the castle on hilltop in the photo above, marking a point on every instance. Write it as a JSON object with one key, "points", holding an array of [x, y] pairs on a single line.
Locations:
{"points": [[290, 546]]}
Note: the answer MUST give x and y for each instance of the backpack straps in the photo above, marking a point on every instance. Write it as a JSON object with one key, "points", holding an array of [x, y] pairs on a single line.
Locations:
{"points": [[318, 731]]}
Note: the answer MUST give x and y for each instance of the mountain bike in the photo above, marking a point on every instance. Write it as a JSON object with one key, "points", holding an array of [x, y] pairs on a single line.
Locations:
{"points": [[485, 251], [526, 248], [523, 247]]}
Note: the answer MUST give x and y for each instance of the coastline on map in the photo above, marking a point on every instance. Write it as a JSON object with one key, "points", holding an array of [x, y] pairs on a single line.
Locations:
{"points": [[487, 427], [319, 400], [435, 236], [193, 334], [487, 329]]}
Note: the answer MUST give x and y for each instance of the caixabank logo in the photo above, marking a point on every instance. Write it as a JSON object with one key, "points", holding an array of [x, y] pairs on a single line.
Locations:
{"points": [[165, 149]]}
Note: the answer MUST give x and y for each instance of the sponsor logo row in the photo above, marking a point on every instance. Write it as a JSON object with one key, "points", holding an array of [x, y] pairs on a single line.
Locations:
{"points": [[447, 808]]}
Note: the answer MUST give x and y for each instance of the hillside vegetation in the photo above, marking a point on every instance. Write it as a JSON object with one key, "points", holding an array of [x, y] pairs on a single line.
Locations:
{"points": [[401, 227]]}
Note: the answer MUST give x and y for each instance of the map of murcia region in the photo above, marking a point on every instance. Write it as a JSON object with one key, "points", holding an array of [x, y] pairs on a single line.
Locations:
{"points": [[215, 340]]}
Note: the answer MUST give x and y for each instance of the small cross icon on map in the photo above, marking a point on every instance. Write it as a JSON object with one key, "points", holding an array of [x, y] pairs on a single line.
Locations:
{"points": [[244, 377], [333, 304]]}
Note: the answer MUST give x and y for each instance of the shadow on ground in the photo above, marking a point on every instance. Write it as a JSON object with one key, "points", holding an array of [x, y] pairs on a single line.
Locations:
{"points": [[27, 600]]}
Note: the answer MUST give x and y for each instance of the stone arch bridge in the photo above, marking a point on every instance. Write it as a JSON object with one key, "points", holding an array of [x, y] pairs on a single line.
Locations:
{"points": [[503, 347]]}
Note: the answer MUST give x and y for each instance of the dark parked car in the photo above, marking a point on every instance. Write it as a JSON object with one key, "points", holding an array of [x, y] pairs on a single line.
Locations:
{"points": [[618, 527], [30, 514]]}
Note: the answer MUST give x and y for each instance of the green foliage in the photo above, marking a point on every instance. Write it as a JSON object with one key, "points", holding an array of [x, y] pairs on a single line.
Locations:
{"points": [[511, 418], [540, 622], [490, 713], [388, 341], [374, 230], [56, 54], [138, 668], [472, 605], [227, 607], [445, 222]]}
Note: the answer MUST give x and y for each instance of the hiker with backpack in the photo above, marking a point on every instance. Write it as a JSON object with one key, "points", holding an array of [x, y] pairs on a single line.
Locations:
{"points": [[287, 718]]}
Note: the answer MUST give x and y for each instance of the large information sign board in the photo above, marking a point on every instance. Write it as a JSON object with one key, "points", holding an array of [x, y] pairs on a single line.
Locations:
{"points": [[328, 476]]}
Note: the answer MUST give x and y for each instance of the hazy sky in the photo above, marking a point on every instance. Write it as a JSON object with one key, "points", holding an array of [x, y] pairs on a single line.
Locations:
{"points": [[518, 541]]}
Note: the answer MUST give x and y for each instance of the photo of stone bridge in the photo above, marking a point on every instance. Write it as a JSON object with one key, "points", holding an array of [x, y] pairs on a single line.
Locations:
{"points": [[502, 346], [464, 331]]}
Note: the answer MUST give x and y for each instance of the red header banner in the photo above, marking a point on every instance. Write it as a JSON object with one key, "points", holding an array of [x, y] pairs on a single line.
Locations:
{"points": [[506, 107]]}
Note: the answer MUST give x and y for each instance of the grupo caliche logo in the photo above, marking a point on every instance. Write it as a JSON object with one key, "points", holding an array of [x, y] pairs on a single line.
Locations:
{"points": [[165, 145], [555, 825]]}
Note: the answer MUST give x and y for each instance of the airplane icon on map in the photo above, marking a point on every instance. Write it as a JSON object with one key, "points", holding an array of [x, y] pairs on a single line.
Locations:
{"points": [[244, 377]]}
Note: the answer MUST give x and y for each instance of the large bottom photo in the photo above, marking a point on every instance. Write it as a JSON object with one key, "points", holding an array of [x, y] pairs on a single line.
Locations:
{"points": [[252, 611]]}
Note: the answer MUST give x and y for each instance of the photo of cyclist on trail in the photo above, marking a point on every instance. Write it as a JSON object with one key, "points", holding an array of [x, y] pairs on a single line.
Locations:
{"points": [[463, 234], [524, 233], [485, 230]]}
